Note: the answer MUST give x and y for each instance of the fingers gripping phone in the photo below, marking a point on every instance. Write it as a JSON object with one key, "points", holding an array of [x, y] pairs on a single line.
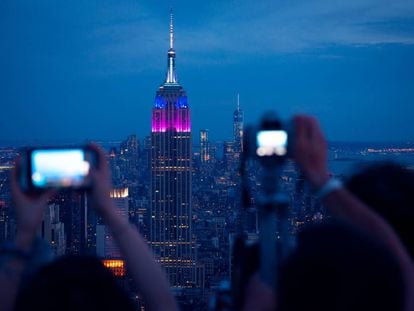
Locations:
{"points": [[46, 168]]}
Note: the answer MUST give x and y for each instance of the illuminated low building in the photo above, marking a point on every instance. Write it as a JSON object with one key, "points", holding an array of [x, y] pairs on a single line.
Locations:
{"points": [[117, 266]]}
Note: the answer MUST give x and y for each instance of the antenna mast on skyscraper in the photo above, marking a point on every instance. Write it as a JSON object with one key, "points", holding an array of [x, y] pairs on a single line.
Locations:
{"points": [[238, 101], [171, 29], [171, 75]]}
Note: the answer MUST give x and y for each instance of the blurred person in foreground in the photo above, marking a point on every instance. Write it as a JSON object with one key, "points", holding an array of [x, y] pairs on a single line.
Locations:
{"points": [[337, 267], [368, 230], [77, 283], [388, 188]]}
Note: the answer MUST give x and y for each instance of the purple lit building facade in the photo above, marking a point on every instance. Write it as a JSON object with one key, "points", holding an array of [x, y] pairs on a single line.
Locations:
{"points": [[171, 190]]}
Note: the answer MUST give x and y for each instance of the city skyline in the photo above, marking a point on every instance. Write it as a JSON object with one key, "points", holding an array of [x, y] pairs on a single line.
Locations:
{"points": [[88, 71], [188, 201]]}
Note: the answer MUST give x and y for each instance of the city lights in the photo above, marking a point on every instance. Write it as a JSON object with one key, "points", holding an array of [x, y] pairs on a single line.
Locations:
{"points": [[116, 266]]}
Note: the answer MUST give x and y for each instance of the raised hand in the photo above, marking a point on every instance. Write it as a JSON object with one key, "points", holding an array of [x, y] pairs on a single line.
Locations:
{"points": [[310, 150], [28, 208]]}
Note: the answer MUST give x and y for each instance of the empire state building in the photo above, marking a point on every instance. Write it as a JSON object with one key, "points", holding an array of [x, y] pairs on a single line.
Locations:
{"points": [[170, 224]]}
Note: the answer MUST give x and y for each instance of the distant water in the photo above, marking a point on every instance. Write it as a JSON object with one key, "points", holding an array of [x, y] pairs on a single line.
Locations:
{"points": [[346, 166]]}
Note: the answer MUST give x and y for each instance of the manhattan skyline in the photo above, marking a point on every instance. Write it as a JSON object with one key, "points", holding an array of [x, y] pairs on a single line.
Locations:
{"points": [[88, 71]]}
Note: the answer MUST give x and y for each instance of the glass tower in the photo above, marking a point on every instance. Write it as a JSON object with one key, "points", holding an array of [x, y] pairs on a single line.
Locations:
{"points": [[204, 147], [238, 120]]}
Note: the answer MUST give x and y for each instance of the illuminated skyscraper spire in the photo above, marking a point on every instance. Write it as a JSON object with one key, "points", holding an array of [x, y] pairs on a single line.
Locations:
{"points": [[171, 31], [171, 75]]}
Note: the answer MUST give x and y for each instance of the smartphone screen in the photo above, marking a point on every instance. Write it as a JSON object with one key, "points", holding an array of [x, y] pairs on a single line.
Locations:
{"points": [[271, 143], [52, 168]]}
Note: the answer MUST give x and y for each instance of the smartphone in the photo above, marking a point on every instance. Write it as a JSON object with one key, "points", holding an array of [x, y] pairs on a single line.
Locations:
{"points": [[271, 143], [45, 168]]}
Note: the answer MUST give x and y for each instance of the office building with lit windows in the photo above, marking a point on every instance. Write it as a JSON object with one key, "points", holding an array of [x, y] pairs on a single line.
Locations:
{"points": [[106, 247], [171, 190], [204, 147]]}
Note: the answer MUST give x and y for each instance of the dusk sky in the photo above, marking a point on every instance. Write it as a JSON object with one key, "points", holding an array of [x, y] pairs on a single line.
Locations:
{"points": [[74, 70]]}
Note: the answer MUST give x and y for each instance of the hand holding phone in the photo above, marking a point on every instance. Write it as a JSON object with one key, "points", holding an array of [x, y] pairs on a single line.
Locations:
{"points": [[57, 168]]}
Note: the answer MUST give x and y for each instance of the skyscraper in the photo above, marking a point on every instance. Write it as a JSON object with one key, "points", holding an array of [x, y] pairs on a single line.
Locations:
{"points": [[170, 226], [105, 244], [129, 156], [204, 147], [238, 119], [53, 230]]}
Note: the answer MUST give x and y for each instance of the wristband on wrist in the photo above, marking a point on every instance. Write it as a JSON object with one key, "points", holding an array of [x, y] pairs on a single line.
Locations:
{"points": [[331, 185]]}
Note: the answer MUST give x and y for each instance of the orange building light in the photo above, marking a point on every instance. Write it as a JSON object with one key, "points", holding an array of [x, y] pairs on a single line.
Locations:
{"points": [[116, 266]]}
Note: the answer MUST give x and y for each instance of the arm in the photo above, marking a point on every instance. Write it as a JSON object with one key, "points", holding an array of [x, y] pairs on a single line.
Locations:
{"points": [[146, 273], [29, 214], [259, 296], [311, 156]]}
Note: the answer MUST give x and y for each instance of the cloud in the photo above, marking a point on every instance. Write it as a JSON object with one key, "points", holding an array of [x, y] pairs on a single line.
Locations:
{"points": [[236, 29], [280, 26]]}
